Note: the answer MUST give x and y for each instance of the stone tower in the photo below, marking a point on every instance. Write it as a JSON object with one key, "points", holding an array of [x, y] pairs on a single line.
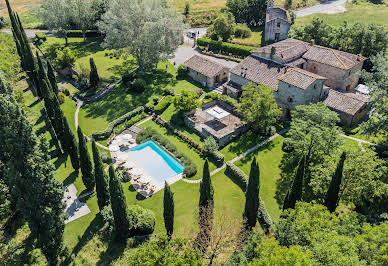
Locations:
{"points": [[277, 23]]}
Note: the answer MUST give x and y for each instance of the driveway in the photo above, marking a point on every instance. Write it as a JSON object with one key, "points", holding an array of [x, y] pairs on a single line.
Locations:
{"points": [[329, 7]]}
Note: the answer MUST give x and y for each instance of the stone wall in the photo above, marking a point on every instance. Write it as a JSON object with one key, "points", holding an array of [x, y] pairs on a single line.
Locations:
{"points": [[206, 81], [276, 26], [336, 78]]}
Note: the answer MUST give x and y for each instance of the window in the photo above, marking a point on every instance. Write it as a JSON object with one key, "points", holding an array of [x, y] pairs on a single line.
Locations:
{"points": [[277, 36], [290, 100]]}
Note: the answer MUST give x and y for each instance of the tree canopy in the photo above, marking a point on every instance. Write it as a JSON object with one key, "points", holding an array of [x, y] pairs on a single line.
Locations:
{"points": [[251, 12]]}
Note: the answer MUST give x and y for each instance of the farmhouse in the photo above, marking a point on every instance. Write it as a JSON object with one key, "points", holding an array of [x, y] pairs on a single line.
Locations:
{"points": [[206, 72]]}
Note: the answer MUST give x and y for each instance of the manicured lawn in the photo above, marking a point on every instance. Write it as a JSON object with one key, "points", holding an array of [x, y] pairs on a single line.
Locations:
{"points": [[269, 158], [356, 12]]}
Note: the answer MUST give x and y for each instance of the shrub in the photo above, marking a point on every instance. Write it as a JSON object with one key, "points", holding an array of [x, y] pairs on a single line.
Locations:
{"points": [[182, 71], [40, 36], [139, 85], [168, 91], [84, 84], [142, 221], [66, 91], [240, 51], [217, 158], [163, 105], [61, 97], [237, 175], [263, 216], [3, 22], [105, 157], [129, 77], [225, 98], [107, 215], [123, 175], [122, 119], [242, 31], [65, 57], [210, 145]]}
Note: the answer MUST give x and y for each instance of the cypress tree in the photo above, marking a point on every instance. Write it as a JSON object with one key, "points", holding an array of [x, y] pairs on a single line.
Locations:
{"points": [[119, 207], [168, 210], [94, 78], [41, 75], [52, 78], [69, 144], [85, 162], [252, 195], [332, 196], [295, 194], [102, 187], [206, 192]]}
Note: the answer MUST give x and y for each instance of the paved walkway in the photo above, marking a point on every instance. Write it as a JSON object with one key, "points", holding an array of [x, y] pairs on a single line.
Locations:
{"points": [[359, 140], [329, 7]]}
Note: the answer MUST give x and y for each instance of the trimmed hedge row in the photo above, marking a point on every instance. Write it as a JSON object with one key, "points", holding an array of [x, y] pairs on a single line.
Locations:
{"points": [[237, 175], [78, 34], [263, 216], [163, 105], [150, 133], [136, 119], [108, 131], [160, 121], [226, 48], [217, 158]]}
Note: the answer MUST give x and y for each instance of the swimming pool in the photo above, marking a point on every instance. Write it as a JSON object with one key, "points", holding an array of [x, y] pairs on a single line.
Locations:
{"points": [[155, 161]]}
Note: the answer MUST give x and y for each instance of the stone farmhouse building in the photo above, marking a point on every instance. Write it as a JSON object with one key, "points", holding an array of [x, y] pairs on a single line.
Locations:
{"points": [[206, 71], [302, 73], [277, 23]]}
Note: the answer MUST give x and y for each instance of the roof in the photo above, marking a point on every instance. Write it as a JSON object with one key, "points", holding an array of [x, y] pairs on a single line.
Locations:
{"points": [[331, 57], [300, 78], [286, 49], [204, 66], [346, 102], [232, 86], [260, 71], [296, 62], [277, 12], [217, 112]]}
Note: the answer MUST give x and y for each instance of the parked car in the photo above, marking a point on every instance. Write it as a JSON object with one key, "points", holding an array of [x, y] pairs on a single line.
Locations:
{"points": [[191, 34]]}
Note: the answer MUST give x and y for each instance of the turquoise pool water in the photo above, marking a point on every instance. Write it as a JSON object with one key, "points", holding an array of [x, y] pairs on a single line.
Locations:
{"points": [[155, 161]]}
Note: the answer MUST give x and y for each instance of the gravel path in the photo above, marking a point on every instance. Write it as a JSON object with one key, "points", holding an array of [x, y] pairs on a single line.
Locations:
{"points": [[31, 33], [329, 7]]}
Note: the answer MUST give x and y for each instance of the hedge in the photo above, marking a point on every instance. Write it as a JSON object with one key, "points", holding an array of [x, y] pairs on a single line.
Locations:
{"points": [[108, 131], [220, 47], [136, 119], [40, 36], [78, 34], [163, 105], [150, 133], [237, 175], [263, 216], [217, 158]]}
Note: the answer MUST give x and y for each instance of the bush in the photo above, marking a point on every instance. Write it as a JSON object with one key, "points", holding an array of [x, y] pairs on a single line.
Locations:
{"points": [[129, 77], [210, 145], [139, 85], [122, 119], [218, 47], [123, 174], [3, 22], [168, 91], [163, 105], [66, 91], [237, 175], [142, 221], [182, 71], [107, 215], [65, 57], [84, 84], [105, 157], [217, 158], [263, 216], [242, 31], [61, 97], [40, 36]]}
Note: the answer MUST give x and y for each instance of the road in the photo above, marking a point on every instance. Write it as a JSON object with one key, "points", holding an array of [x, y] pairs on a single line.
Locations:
{"points": [[329, 7], [31, 33]]}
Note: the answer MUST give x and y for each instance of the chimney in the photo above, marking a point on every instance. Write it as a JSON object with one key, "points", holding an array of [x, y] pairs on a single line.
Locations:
{"points": [[359, 57], [246, 72], [273, 51], [312, 42], [242, 71]]}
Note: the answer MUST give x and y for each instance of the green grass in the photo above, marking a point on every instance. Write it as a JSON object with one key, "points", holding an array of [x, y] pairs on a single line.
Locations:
{"points": [[269, 157], [9, 59], [356, 12], [254, 40]]}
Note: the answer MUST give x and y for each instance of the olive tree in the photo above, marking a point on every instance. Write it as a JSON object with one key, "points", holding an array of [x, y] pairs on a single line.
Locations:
{"points": [[83, 12], [147, 29]]}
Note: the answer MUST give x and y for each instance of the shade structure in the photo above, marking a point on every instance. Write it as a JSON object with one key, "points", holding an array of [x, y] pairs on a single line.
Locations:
{"points": [[137, 171], [129, 164], [126, 137], [114, 148]]}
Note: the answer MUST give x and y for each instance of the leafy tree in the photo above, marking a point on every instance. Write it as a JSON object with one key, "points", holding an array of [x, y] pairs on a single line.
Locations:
{"points": [[5, 201], [119, 207], [30, 177], [223, 27], [251, 12], [252, 195], [101, 179], [210, 145], [83, 14], [65, 58], [258, 106], [332, 196], [168, 210], [85, 162], [152, 31], [94, 78], [295, 193], [57, 15], [185, 102], [52, 78]]}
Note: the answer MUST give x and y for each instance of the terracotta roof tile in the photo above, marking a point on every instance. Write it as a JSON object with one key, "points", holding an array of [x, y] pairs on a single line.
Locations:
{"points": [[349, 103], [300, 78], [204, 66], [287, 49]]}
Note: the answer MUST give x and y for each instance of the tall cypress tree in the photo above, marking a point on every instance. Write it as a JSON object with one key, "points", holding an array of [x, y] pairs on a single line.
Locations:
{"points": [[252, 195], [206, 191], [102, 187], [295, 194], [69, 144], [52, 78], [42, 75], [94, 78], [332, 196], [168, 210], [85, 162], [119, 207]]}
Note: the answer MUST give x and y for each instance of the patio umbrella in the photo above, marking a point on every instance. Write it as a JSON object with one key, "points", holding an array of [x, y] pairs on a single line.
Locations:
{"points": [[126, 137], [145, 179], [114, 148], [123, 156], [129, 164], [137, 171]]}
